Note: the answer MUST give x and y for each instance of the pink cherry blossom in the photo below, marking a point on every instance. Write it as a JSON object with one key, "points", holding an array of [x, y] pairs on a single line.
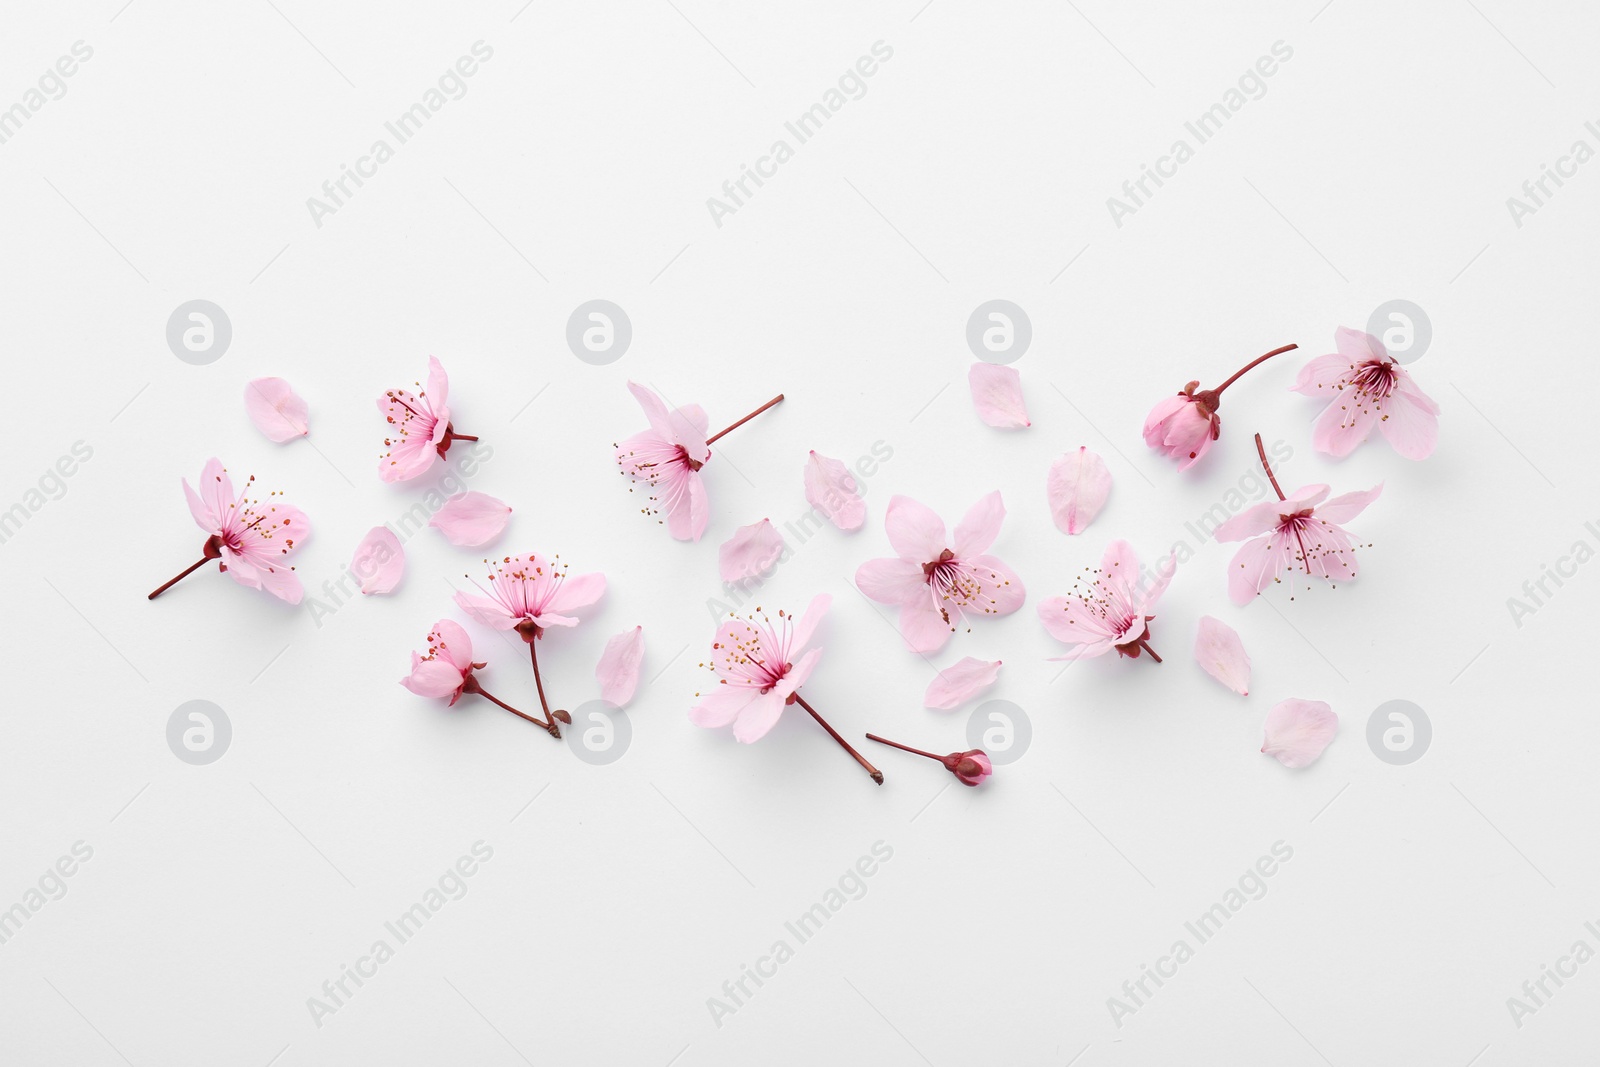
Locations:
{"points": [[618, 669], [471, 519], [956, 685], [1182, 427], [1298, 731], [759, 667], [1221, 654], [1111, 609], [997, 396], [446, 670], [1365, 388], [252, 538], [938, 584], [667, 458], [530, 594], [970, 767], [380, 561], [276, 409], [420, 430], [1295, 531]]}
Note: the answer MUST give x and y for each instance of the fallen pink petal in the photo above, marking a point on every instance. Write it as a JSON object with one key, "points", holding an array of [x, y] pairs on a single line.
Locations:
{"points": [[832, 489], [471, 519], [379, 562], [1366, 389], [1221, 654], [956, 685], [276, 409], [618, 669], [1077, 487], [1297, 731], [752, 552], [997, 396]]}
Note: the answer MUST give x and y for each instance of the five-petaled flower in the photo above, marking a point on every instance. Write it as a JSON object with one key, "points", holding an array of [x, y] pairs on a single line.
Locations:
{"points": [[420, 430], [937, 583], [251, 539], [1111, 611], [1366, 388]]}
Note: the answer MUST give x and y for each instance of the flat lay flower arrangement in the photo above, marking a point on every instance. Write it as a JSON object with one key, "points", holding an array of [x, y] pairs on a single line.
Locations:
{"points": [[940, 584]]}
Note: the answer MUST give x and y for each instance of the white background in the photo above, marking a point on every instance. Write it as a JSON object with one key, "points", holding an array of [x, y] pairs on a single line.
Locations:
{"points": [[219, 898]]}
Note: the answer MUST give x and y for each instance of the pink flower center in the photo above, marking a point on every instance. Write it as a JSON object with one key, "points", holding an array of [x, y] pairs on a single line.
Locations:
{"points": [[1375, 377]]}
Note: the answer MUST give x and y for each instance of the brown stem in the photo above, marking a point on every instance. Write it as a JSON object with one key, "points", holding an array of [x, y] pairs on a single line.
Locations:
{"points": [[720, 433], [533, 652], [186, 572], [1144, 643], [1262, 452], [877, 775], [903, 748], [481, 691], [1252, 364], [461, 436]]}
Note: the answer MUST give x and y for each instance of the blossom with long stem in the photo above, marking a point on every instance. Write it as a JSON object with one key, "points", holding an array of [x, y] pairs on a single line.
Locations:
{"points": [[530, 594], [759, 666], [1182, 427], [667, 458], [446, 670], [1111, 610], [1367, 389], [1304, 529], [251, 539], [420, 430], [970, 767], [939, 582]]}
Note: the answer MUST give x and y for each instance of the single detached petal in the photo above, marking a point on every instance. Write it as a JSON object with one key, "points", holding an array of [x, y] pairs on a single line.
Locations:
{"points": [[379, 561], [958, 684], [618, 669], [471, 519], [276, 409], [752, 551], [997, 394], [1221, 654], [1077, 486], [1298, 730], [832, 490]]}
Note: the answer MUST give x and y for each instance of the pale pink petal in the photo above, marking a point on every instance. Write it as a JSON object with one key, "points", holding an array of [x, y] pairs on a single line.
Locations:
{"points": [[687, 507], [1297, 731], [216, 492], [618, 669], [796, 675], [997, 396], [758, 717], [1333, 554], [1257, 565], [276, 409], [1155, 423], [1344, 423], [956, 685], [471, 519], [915, 532], [1410, 421], [487, 611], [1077, 487], [438, 390], [577, 591], [832, 490], [722, 704], [806, 628], [379, 561], [276, 579], [892, 581], [1121, 562], [1000, 591], [1341, 509], [1084, 630], [684, 426], [432, 678], [752, 551], [454, 643], [1221, 654], [1251, 522], [1358, 346], [1323, 376], [979, 526], [923, 626]]}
